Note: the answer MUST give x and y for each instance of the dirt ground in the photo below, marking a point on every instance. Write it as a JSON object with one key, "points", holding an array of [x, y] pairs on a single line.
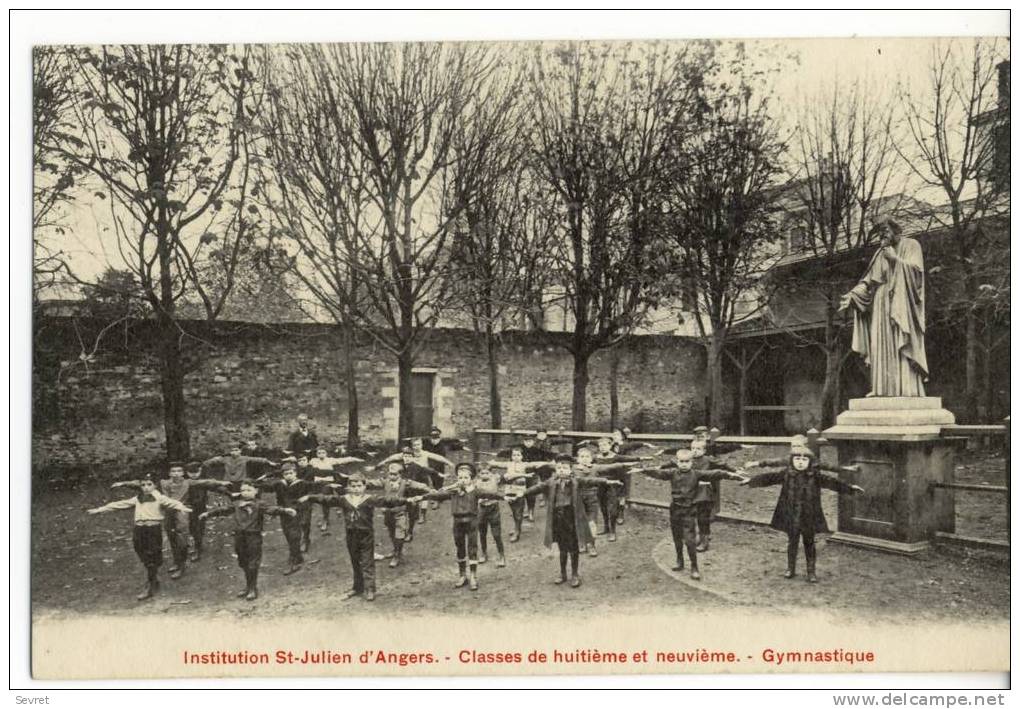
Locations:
{"points": [[85, 564]]}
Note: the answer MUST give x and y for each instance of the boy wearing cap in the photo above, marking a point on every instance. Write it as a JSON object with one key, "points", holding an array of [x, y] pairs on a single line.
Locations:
{"points": [[178, 524], [798, 441], [150, 512], [799, 508], [358, 511], [464, 500], [249, 520], [236, 466], [565, 522], [685, 481]]}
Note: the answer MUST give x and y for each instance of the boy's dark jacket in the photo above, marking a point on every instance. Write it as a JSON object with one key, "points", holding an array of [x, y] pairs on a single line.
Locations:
{"points": [[809, 484], [551, 487]]}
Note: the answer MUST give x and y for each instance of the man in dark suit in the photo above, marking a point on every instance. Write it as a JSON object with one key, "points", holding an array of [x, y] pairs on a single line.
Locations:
{"points": [[303, 441]]}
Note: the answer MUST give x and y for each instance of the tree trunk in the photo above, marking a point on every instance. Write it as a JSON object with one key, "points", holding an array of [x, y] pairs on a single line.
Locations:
{"points": [[742, 391], [175, 425], [830, 388], [614, 387], [405, 410], [971, 369], [715, 378], [579, 404], [829, 398], [495, 402], [988, 385], [352, 388]]}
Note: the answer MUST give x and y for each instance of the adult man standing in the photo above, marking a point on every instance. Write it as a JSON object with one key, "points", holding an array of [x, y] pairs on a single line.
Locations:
{"points": [[303, 441]]}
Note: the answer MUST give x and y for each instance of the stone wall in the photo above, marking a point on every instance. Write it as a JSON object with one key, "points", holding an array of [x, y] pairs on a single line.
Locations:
{"points": [[252, 380]]}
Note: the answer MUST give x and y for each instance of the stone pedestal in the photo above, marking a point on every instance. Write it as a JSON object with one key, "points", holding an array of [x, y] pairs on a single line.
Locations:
{"points": [[897, 445]]}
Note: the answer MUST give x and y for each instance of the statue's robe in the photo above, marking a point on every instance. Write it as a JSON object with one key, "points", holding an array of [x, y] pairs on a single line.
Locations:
{"points": [[888, 309]]}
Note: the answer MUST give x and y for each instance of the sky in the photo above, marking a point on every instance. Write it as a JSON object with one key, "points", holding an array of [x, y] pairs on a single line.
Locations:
{"points": [[880, 64]]}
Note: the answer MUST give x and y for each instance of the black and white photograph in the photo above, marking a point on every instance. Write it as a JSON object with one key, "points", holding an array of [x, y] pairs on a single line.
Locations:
{"points": [[579, 356]]}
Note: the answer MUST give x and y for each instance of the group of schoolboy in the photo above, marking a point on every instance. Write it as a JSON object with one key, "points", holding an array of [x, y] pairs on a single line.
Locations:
{"points": [[573, 489]]}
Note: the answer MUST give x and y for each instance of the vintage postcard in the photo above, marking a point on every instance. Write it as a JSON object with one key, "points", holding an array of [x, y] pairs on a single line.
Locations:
{"points": [[563, 357]]}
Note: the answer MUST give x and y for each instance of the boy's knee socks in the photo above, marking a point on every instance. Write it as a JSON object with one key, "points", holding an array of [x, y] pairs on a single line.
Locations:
{"points": [[692, 553]]}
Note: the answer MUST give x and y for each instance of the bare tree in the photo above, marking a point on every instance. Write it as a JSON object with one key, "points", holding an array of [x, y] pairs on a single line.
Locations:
{"points": [[54, 177], [604, 117], [394, 117], [723, 212], [504, 234], [163, 130], [954, 124], [845, 175]]}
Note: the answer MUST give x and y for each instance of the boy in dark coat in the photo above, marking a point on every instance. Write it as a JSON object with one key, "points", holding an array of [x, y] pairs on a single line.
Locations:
{"points": [[685, 481], [565, 520], [464, 499], [799, 508], [358, 511], [150, 507]]}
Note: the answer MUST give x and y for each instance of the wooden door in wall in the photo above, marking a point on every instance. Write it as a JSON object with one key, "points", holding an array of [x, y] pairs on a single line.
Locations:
{"points": [[422, 385]]}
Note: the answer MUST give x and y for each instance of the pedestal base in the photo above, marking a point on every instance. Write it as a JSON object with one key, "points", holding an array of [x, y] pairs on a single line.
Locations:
{"points": [[888, 545], [896, 445]]}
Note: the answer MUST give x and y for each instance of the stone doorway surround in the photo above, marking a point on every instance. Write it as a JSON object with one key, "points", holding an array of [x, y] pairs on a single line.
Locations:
{"points": [[443, 392]]}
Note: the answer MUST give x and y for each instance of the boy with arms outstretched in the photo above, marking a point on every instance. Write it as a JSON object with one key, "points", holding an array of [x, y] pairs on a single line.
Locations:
{"points": [[518, 470], [395, 518], [489, 480], [325, 465], [464, 498], [150, 507], [799, 508], [289, 488], [609, 496], [358, 511], [178, 524], [590, 493], [249, 520], [565, 522], [684, 480], [236, 466]]}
